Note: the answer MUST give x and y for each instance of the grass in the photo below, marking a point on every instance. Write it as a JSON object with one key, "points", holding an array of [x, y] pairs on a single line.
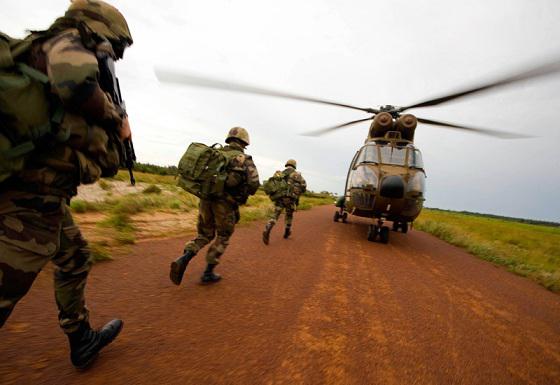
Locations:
{"points": [[529, 250], [116, 227]]}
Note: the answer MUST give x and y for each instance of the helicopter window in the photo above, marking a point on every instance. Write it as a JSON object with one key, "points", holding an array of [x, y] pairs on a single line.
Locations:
{"points": [[416, 161], [363, 177], [368, 155], [393, 155]]}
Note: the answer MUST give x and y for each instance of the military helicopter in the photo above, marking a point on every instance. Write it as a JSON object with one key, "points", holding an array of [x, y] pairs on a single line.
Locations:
{"points": [[386, 177]]}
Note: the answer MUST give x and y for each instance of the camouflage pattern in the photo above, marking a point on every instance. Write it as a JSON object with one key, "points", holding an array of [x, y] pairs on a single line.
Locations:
{"points": [[91, 147], [238, 133], [217, 218], [35, 222], [33, 230], [101, 18], [298, 186]]}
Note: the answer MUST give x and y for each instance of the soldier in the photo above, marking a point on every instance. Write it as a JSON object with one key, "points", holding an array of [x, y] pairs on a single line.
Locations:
{"points": [[286, 200], [35, 220], [217, 218]]}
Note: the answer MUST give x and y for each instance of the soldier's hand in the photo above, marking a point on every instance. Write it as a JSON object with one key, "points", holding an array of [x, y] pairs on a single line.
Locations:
{"points": [[125, 129]]}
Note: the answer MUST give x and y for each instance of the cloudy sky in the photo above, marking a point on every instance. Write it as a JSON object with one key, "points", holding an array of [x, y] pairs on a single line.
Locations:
{"points": [[365, 53]]}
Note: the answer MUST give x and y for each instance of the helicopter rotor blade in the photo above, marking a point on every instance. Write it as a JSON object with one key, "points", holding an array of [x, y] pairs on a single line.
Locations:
{"points": [[169, 76], [323, 131], [542, 70], [483, 131]]}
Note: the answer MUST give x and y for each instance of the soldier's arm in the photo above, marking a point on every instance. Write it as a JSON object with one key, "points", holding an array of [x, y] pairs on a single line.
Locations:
{"points": [[72, 70], [252, 176]]}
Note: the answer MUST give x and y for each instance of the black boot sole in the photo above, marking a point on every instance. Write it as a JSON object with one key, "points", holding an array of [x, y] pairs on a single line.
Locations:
{"points": [[266, 238], [90, 361], [176, 272]]}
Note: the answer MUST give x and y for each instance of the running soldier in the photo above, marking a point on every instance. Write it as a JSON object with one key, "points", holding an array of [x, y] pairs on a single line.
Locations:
{"points": [[83, 142], [217, 217], [284, 189]]}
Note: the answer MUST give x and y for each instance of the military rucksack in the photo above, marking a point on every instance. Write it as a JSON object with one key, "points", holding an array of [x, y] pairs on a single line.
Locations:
{"points": [[203, 170], [277, 185], [26, 112]]}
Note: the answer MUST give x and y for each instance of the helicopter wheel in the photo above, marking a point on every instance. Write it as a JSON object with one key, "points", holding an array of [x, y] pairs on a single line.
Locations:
{"points": [[396, 226], [345, 217], [384, 234], [372, 233], [336, 216], [404, 227]]}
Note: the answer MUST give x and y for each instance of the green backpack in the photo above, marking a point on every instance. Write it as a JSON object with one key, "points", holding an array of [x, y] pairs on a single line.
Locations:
{"points": [[25, 111], [277, 185], [203, 170]]}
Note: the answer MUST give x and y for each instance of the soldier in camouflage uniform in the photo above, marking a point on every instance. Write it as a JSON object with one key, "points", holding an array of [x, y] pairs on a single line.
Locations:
{"points": [[217, 218], [297, 186], [36, 225]]}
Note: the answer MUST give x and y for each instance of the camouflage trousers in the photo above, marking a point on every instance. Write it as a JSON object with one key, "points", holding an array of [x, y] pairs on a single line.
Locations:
{"points": [[280, 205], [216, 219], [33, 230]]}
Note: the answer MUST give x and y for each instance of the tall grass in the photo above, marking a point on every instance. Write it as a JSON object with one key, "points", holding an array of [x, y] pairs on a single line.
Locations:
{"points": [[526, 249]]}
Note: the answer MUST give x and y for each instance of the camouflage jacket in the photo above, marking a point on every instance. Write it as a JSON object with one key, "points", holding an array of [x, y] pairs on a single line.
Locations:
{"points": [[295, 180], [243, 177], [90, 120]]}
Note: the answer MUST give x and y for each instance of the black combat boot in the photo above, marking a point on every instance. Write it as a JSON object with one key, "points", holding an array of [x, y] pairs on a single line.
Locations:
{"points": [[266, 233], [287, 232], [209, 276], [178, 267], [85, 343]]}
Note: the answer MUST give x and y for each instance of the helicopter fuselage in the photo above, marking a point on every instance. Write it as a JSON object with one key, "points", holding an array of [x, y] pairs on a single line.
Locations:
{"points": [[386, 180]]}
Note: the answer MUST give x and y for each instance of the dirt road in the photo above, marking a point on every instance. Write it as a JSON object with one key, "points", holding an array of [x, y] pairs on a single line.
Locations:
{"points": [[325, 307]]}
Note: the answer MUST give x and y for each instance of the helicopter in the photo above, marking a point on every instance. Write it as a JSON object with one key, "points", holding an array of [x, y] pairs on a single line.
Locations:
{"points": [[386, 177]]}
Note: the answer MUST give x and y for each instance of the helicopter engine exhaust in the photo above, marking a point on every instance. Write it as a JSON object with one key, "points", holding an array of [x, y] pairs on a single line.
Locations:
{"points": [[382, 123], [406, 124]]}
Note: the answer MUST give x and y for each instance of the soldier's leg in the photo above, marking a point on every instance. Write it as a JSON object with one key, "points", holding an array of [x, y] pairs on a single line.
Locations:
{"points": [[70, 276], [206, 230], [226, 216], [289, 218], [72, 268], [28, 239], [18, 270], [206, 227], [271, 222]]}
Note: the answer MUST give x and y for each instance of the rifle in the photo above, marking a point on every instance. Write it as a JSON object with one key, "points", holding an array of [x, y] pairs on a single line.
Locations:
{"points": [[109, 83]]}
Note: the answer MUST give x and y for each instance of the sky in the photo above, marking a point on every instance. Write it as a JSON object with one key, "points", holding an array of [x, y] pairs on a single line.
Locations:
{"points": [[367, 53]]}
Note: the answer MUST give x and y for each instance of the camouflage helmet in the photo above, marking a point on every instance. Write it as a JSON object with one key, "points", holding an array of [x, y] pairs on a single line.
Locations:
{"points": [[291, 163], [101, 18], [238, 133]]}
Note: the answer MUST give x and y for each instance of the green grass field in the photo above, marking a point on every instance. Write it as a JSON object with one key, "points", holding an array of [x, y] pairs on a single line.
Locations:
{"points": [[526, 249]]}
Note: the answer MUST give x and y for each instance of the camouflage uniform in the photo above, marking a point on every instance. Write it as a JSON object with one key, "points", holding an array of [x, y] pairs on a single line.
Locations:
{"points": [[298, 186], [217, 218], [35, 221]]}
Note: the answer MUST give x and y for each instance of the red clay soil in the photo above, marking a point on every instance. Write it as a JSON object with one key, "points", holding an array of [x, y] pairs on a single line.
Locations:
{"points": [[324, 307]]}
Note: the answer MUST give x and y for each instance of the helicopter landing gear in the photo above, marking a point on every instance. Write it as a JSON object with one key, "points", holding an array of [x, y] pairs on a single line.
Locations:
{"points": [[403, 226], [378, 230], [341, 215], [336, 216]]}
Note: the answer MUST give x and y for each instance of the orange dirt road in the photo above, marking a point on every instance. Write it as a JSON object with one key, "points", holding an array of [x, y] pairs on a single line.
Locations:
{"points": [[325, 307]]}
